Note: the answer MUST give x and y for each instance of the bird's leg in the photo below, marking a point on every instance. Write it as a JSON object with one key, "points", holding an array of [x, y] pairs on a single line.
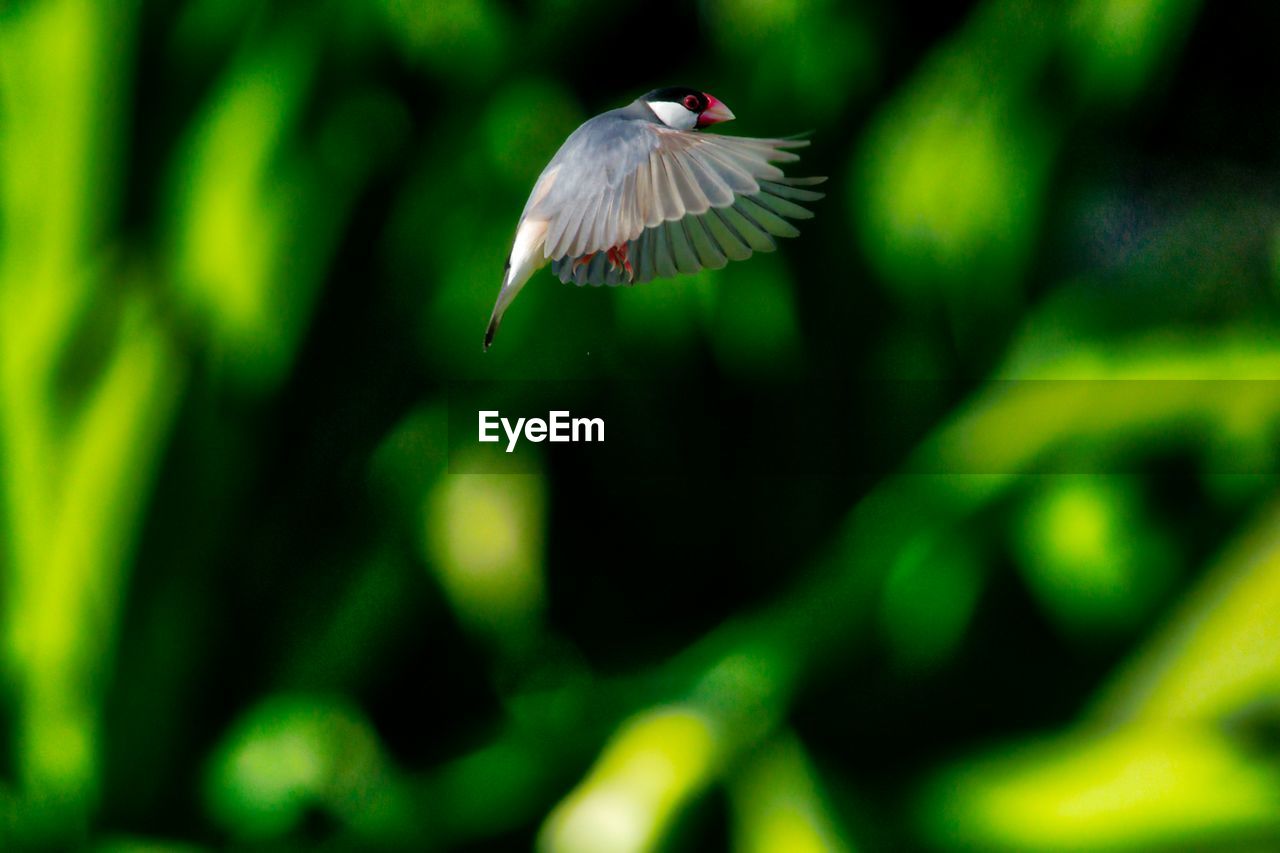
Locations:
{"points": [[618, 260], [583, 261]]}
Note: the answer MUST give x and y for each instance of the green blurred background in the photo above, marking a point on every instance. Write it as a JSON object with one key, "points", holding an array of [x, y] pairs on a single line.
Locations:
{"points": [[246, 247]]}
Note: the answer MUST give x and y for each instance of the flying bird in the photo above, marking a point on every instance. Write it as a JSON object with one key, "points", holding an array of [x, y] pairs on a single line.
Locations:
{"points": [[639, 193]]}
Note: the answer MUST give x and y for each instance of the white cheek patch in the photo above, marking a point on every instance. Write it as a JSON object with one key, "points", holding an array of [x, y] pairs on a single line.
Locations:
{"points": [[673, 115]]}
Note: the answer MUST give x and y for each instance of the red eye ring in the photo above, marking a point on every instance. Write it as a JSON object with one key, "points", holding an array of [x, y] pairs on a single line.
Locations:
{"points": [[691, 103]]}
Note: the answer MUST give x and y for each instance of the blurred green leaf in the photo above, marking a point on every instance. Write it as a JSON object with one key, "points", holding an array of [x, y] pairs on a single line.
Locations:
{"points": [[929, 598], [1116, 46], [949, 184], [1219, 655], [77, 462], [803, 57], [461, 39], [647, 772], [778, 804], [232, 209], [1090, 555], [1138, 788], [482, 537], [294, 753]]}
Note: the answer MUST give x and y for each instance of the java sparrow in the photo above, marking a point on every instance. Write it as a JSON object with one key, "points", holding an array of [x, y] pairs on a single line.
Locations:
{"points": [[639, 193]]}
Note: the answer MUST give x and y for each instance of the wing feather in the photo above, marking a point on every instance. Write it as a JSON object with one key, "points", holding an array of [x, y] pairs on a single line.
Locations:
{"points": [[765, 218], [754, 161], [629, 221], [692, 200], [726, 238], [714, 188], [679, 201], [644, 194], [670, 195], [609, 220], [580, 232], [781, 206], [709, 254], [681, 251], [789, 192], [663, 260], [599, 222], [736, 173], [755, 236], [644, 252]]}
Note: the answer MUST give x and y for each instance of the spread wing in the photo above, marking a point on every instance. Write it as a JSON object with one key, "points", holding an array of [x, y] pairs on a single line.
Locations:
{"points": [[679, 201]]}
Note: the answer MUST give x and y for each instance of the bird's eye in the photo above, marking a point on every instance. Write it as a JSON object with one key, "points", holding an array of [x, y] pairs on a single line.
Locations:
{"points": [[691, 103]]}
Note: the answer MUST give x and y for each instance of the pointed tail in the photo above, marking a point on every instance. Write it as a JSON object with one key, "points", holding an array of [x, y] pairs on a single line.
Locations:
{"points": [[492, 330], [505, 297], [526, 256]]}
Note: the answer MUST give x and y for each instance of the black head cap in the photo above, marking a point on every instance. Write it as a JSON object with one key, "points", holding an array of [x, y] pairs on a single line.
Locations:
{"points": [[677, 95]]}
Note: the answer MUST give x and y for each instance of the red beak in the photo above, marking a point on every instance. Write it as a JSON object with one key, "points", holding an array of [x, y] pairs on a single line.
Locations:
{"points": [[715, 112]]}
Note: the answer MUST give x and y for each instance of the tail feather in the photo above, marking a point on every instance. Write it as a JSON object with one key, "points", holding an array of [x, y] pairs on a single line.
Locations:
{"points": [[492, 330], [526, 256]]}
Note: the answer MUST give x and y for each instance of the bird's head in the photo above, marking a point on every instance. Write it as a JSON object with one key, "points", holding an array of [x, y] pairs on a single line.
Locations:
{"points": [[685, 109]]}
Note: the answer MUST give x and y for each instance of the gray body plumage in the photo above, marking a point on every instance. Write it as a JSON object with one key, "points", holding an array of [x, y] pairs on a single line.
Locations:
{"points": [[678, 200]]}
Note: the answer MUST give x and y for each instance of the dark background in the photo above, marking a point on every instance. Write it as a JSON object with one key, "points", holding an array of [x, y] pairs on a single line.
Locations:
{"points": [[949, 525]]}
